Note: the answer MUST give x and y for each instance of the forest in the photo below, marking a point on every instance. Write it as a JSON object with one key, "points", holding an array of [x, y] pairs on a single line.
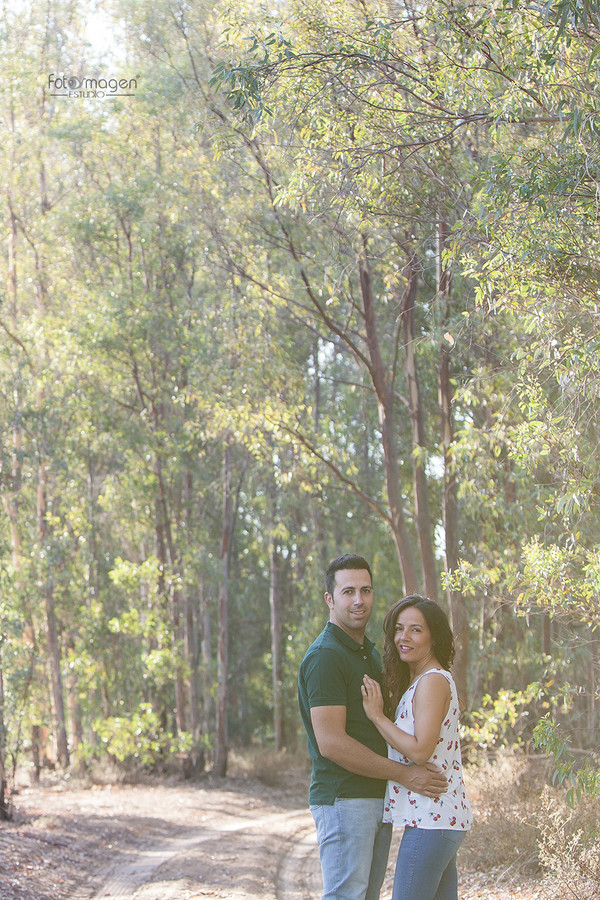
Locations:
{"points": [[283, 280]]}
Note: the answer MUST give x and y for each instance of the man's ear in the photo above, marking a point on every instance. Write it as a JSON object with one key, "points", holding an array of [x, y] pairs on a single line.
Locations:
{"points": [[328, 599]]}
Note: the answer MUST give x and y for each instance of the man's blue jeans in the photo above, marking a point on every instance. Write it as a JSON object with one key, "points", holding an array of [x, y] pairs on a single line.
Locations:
{"points": [[354, 845], [426, 866]]}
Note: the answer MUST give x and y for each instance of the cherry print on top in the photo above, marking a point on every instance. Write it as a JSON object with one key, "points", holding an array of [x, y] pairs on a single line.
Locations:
{"points": [[450, 810]]}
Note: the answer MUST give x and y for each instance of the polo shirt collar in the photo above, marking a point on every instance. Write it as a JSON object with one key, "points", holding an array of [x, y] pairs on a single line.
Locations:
{"points": [[340, 635]]}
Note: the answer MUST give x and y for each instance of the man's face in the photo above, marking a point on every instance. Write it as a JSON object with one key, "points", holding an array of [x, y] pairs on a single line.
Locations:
{"points": [[351, 605]]}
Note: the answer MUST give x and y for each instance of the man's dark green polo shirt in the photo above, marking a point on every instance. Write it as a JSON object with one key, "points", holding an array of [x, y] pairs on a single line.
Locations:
{"points": [[331, 674]]}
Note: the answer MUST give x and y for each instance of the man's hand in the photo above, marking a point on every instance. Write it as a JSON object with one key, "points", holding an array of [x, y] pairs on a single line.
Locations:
{"points": [[329, 723], [427, 780]]}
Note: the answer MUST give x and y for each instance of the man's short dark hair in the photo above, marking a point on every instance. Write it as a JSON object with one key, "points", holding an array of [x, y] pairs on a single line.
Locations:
{"points": [[349, 561]]}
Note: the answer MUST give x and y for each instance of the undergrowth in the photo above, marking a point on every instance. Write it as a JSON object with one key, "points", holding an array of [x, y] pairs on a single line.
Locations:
{"points": [[524, 827]]}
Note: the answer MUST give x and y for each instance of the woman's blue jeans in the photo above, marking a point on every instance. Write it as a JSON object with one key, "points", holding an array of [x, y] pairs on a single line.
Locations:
{"points": [[426, 866], [354, 845]]}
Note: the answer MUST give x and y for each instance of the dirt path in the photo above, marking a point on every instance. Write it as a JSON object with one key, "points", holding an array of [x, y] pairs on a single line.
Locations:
{"points": [[270, 855], [234, 840], [237, 840]]}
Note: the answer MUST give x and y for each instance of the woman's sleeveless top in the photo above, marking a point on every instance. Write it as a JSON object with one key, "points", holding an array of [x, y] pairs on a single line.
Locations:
{"points": [[451, 810]]}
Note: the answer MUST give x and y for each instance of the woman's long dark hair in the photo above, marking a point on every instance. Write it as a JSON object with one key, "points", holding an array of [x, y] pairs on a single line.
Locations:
{"points": [[396, 674]]}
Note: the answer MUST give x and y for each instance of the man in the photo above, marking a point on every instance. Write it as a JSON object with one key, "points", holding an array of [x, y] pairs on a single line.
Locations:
{"points": [[350, 764]]}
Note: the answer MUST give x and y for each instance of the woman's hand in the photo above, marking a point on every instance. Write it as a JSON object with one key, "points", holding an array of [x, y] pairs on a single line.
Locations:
{"points": [[372, 698]]}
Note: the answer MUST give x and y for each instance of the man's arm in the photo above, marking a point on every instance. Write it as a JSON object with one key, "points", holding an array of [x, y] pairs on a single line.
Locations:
{"points": [[329, 724]]}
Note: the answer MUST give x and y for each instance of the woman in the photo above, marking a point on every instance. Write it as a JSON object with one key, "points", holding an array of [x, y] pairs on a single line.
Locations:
{"points": [[420, 695]]}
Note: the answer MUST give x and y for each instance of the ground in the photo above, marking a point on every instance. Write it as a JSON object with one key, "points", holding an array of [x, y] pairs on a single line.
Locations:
{"points": [[240, 838]]}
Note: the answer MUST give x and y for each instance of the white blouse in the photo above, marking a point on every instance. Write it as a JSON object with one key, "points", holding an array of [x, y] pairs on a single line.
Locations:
{"points": [[450, 810]]}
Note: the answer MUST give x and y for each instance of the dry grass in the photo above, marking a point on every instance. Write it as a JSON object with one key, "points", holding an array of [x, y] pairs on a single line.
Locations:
{"points": [[570, 846], [275, 769], [525, 841], [505, 795]]}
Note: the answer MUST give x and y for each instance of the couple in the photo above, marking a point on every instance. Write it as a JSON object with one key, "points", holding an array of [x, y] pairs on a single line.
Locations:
{"points": [[356, 791]]}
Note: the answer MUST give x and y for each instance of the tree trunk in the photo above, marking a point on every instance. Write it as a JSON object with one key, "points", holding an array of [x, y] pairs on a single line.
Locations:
{"points": [[421, 490], [196, 761], [385, 397], [91, 575], [161, 699], [221, 748], [276, 642], [175, 595], [54, 656], [230, 504], [205, 661], [10, 493], [4, 805], [44, 531], [75, 717], [456, 600], [178, 608], [56, 682], [10, 496], [317, 508], [190, 614]]}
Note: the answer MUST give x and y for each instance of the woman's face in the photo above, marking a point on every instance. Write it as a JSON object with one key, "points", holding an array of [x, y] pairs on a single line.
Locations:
{"points": [[412, 637]]}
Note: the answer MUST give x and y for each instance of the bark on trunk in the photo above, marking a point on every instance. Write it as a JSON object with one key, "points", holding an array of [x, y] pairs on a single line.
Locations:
{"points": [[421, 490], [4, 805], [221, 748], [316, 508], [196, 760], [161, 697], [44, 532], [54, 655], [10, 496], [176, 604], [230, 504], [75, 715], [456, 600], [385, 398], [190, 615], [276, 643], [181, 688], [205, 660]]}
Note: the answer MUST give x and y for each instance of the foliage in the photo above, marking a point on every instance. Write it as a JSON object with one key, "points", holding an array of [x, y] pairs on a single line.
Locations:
{"points": [[581, 777], [185, 271], [139, 738], [499, 721]]}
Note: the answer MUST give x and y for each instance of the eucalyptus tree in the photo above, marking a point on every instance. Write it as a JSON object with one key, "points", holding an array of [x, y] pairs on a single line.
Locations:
{"points": [[228, 338], [34, 186], [144, 258], [240, 394], [398, 115], [170, 343], [363, 154], [537, 265]]}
